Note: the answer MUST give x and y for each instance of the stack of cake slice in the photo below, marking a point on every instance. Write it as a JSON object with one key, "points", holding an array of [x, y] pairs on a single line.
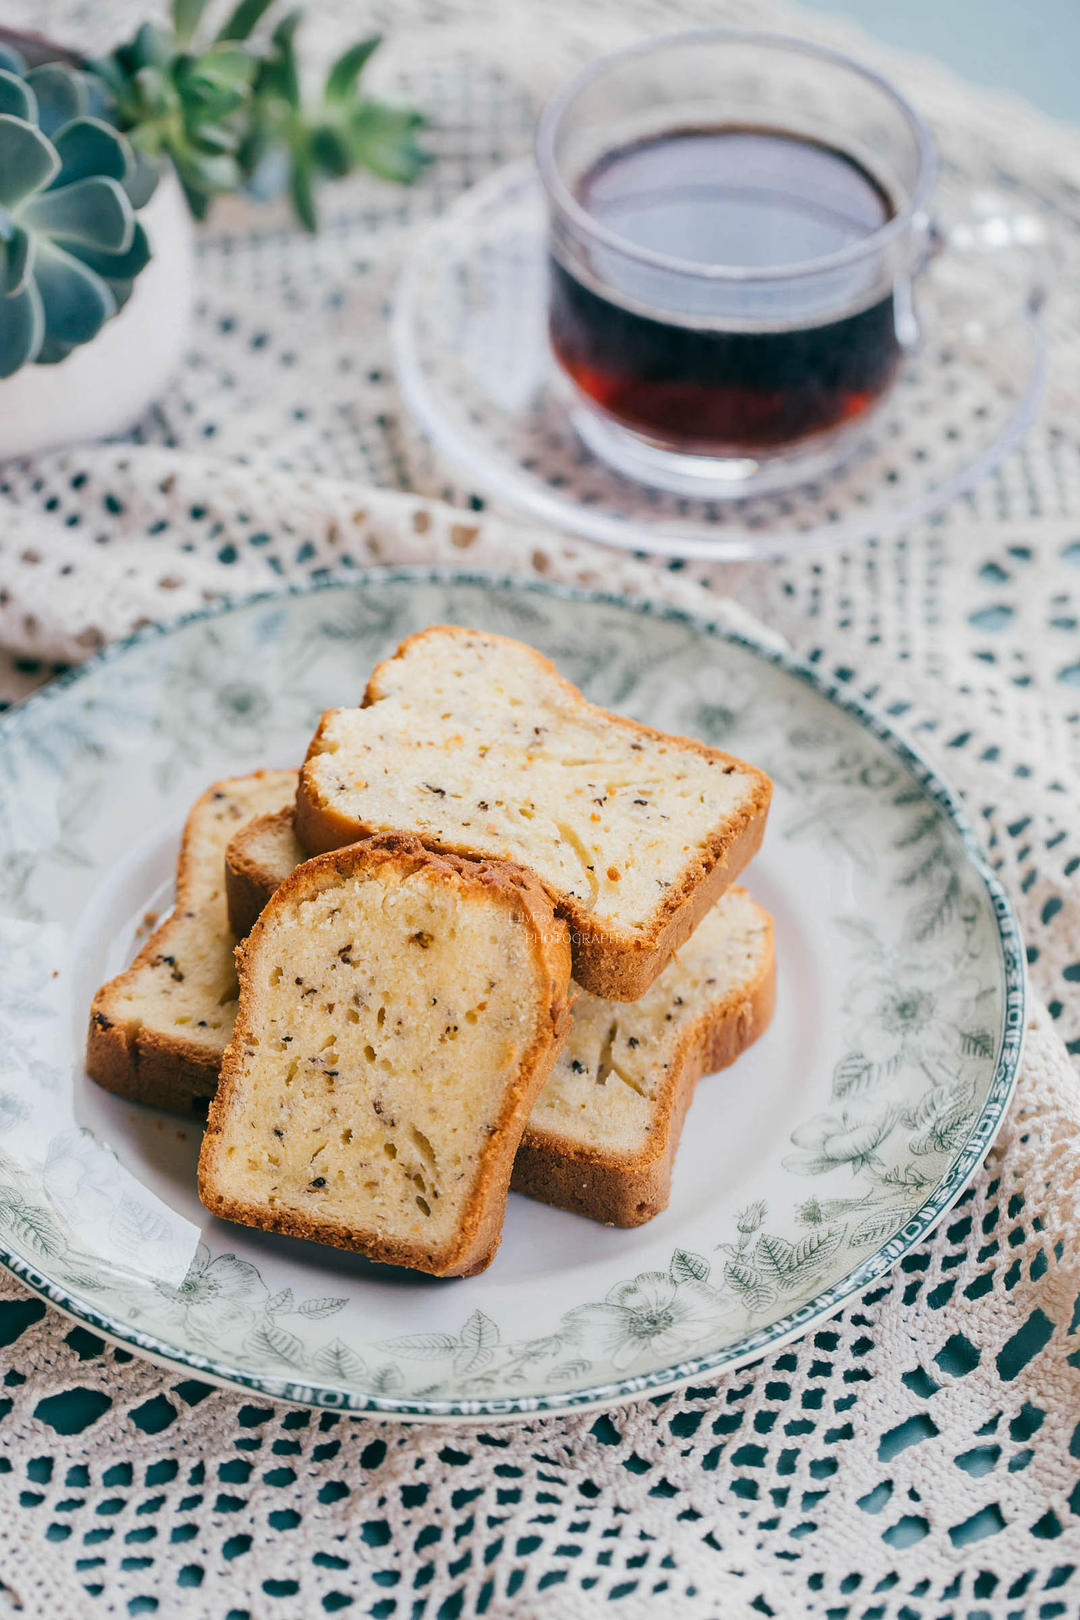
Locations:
{"points": [[408, 1037]]}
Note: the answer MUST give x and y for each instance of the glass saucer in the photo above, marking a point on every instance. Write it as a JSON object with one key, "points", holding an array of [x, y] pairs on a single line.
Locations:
{"points": [[470, 347]]}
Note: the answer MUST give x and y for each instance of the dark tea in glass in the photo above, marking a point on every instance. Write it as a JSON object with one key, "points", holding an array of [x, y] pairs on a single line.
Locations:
{"points": [[735, 222], [747, 198]]}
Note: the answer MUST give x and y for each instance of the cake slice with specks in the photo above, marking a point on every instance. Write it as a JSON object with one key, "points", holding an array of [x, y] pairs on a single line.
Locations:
{"points": [[158, 1030], [399, 1013], [603, 1133], [477, 745]]}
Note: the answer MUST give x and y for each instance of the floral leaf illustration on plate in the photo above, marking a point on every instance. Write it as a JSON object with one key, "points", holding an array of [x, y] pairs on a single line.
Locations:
{"points": [[941, 1118], [270, 1337], [771, 1264], [31, 1224], [930, 866], [134, 1222], [977, 1043], [774, 1255], [469, 1350], [907, 1011], [817, 1246], [924, 825], [652, 1313], [328, 1305], [423, 1346], [907, 1179], [864, 936], [829, 1141], [749, 1283], [337, 1360], [836, 820], [853, 1074], [221, 1295], [12, 1111], [749, 1219], [477, 1341], [878, 1224], [933, 915], [569, 1369], [686, 1267]]}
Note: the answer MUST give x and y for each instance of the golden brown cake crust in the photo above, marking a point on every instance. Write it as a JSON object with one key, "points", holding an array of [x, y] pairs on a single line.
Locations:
{"points": [[629, 1189], [249, 883], [137, 1061], [605, 961], [477, 1239], [148, 1068]]}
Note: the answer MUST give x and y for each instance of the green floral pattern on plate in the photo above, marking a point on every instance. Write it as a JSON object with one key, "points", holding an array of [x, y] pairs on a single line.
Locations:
{"points": [[920, 1021]]}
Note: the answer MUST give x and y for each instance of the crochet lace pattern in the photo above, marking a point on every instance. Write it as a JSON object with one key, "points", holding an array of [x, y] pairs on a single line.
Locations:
{"points": [[918, 1456]]}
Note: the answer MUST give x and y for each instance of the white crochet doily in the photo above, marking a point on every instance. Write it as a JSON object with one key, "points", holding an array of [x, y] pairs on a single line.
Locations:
{"points": [[920, 1456]]}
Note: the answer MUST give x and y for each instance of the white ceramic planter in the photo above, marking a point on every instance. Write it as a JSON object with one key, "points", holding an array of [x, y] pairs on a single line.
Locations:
{"points": [[104, 386]]}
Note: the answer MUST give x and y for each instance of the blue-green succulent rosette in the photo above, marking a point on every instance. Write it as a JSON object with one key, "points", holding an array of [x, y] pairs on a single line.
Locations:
{"points": [[71, 186]]}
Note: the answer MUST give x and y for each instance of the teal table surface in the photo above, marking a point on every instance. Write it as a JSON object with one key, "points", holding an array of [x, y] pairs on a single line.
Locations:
{"points": [[1028, 47]]}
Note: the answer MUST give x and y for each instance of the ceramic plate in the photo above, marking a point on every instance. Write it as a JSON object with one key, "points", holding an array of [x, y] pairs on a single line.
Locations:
{"points": [[808, 1169]]}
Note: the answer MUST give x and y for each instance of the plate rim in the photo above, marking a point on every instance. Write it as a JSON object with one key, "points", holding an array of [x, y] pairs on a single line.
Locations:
{"points": [[825, 1304], [740, 544]]}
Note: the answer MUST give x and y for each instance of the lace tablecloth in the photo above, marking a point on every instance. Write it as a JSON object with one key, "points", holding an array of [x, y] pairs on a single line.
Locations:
{"points": [[919, 1456]]}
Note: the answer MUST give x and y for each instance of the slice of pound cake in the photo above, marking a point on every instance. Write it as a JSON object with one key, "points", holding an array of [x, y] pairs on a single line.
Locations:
{"points": [[478, 746], [399, 1013], [258, 858], [157, 1032], [602, 1136]]}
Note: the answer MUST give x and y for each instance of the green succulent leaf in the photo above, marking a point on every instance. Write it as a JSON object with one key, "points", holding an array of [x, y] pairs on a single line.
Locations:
{"points": [[186, 15], [60, 94], [76, 301], [212, 139], [344, 73], [153, 101], [223, 73], [198, 201], [383, 139], [86, 147], [142, 182], [119, 267], [11, 61], [27, 161], [16, 97], [152, 47], [18, 261], [216, 173], [70, 183], [244, 19], [302, 191], [100, 102], [330, 150], [52, 351], [94, 213], [281, 76], [22, 329], [109, 72], [121, 291], [228, 112]]}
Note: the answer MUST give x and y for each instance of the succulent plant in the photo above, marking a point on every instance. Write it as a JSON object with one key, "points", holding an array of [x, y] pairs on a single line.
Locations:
{"points": [[81, 142], [70, 187], [186, 104], [228, 110], [336, 133]]}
